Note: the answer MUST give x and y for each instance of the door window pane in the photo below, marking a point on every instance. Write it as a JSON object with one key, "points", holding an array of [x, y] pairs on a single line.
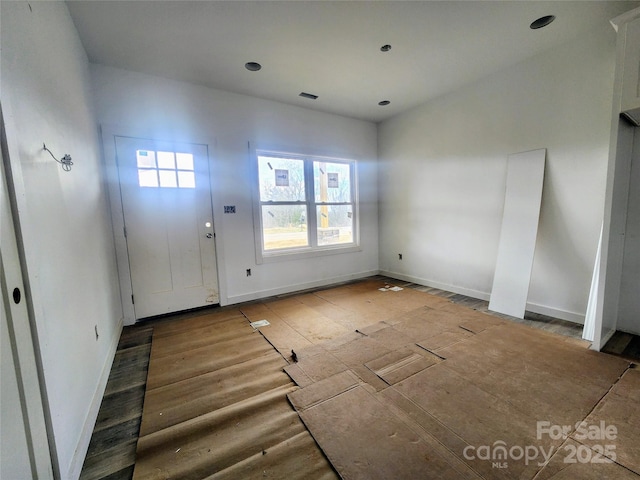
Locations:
{"points": [[186, 179], [166, 160], [168, 178], [184, 161], [165, 169], [146, 158], [147, 178]]}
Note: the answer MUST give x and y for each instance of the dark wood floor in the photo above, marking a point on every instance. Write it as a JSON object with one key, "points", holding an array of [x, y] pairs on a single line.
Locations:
{"points": [[111, 454], [112, 450], [536, 320], [624, 345]]}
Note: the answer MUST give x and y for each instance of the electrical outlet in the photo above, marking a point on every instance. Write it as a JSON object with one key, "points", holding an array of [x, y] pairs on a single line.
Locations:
{"points": [[399, 256], [248, 272]]}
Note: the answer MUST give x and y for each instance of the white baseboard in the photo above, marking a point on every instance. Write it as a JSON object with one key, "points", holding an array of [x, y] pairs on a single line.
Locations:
{"points": [[531, 307], [627, 330], [603, 340], [80, 453], [433, 284], [556, 313], [297, 287]]}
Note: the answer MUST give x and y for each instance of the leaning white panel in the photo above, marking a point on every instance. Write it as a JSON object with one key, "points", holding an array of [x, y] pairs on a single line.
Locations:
{"points": [[525, 175]]}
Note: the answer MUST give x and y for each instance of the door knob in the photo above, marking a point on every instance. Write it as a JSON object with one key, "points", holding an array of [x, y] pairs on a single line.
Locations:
{"points": [[209, 235]]}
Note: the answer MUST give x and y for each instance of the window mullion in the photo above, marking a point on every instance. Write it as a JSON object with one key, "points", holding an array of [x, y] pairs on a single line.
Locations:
{"points": [[354, 204], [312, 221]]}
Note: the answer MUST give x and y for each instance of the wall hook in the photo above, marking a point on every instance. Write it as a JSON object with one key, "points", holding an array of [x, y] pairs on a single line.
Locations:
{"points": [[64, 161]]}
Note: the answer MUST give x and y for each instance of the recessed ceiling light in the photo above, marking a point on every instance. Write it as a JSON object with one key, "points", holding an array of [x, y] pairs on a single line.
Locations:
{"points": [[252, 66], [308, 95], [384, 102], [385, 48], [542, 22]]}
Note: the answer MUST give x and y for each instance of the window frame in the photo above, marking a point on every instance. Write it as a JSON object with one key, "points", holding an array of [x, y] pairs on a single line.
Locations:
{"points": [[312, 249]]}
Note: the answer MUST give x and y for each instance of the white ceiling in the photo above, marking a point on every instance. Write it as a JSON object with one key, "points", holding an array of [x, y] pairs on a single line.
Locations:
{"points": [[330, 48]]}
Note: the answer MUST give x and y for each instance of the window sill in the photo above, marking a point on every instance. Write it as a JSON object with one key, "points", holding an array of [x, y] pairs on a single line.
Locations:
{"points": [[302, 253]]}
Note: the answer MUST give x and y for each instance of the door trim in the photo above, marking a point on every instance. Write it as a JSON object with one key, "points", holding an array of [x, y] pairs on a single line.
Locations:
{"points": [[108, 134], [20, 318]]}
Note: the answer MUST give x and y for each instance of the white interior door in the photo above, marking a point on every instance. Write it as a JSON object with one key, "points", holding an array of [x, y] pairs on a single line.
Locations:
{"points": [[166, 200], [24, 443]]}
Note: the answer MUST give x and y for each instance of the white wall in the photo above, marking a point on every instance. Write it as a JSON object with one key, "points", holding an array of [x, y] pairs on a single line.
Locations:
{"points": [[171, 110], [443, 171], [629, 306], [63, 217]]}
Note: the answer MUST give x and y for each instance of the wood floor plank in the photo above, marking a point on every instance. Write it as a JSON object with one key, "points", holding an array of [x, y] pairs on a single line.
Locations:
{"points": [[124, 474], [101, 466], [111, 451], [119, 407], [107, 439], [133, 336], [632, 351], [129, 369]]}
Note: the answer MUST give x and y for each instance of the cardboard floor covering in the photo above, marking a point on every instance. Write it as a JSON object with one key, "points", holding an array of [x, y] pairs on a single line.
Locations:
{"points": [[216, 407], [389, 383], [436, 390]]}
